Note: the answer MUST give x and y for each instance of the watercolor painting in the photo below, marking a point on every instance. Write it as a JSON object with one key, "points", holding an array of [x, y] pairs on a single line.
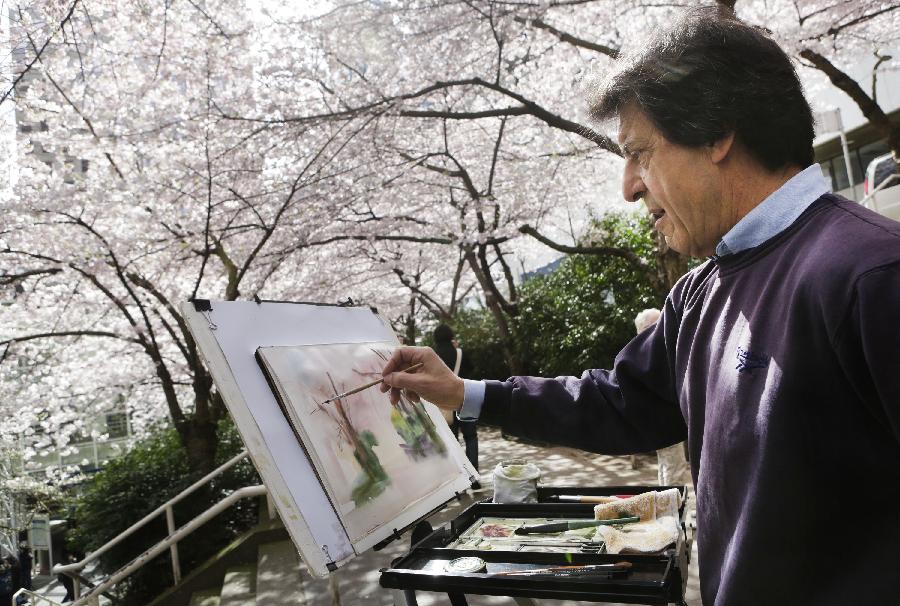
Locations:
{"points": [[374, 459]]}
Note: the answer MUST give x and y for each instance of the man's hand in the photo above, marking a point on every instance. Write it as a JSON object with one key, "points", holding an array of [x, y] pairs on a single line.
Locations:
{"points": [[432, 381]]}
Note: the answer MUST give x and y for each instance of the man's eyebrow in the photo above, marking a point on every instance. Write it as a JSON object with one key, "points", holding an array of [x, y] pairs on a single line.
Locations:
{"points": [[630, 147]]}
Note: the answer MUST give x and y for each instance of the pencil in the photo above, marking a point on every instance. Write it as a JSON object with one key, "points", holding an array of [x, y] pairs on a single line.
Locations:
{"points": [[367, 385]]}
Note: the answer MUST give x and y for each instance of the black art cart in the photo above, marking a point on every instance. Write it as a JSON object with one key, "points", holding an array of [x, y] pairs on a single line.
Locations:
{"points": [[658, 578]]}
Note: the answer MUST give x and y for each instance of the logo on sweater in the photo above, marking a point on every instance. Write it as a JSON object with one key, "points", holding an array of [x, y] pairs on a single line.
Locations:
{"points": [[747, 360]]}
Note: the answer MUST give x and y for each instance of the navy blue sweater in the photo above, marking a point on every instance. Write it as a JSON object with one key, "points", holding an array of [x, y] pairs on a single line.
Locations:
{"points": [[781, 366]]}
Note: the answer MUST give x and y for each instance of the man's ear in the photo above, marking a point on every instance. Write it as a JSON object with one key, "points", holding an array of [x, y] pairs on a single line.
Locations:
{"points": [[719, 150]]}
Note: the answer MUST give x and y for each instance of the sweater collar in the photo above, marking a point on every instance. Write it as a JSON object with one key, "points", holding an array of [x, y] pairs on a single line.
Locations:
{"points": [[776, 213]]}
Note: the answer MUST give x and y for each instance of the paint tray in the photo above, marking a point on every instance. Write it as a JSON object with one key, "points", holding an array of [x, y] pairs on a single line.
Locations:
{"points": [[656, 578]]}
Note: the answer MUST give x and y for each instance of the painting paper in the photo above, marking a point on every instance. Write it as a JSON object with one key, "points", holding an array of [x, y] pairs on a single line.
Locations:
{"points": [[374, 460]]}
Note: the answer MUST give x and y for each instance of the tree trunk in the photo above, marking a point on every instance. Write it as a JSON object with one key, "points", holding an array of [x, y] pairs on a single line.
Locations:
{"points": [[513, 360], [411, 321], [200, 442]]}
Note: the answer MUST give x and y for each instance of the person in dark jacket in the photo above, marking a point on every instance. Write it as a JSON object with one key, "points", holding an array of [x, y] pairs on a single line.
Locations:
{"points": [[9, 579], [26, 562], [776, 358], [447, 348]]}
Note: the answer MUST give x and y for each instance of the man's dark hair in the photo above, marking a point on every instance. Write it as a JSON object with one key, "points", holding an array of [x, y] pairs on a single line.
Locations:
{"points": [[711, 75]]}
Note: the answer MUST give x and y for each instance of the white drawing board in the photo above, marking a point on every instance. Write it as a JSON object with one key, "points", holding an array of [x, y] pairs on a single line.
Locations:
{"points": [[228, 336]]}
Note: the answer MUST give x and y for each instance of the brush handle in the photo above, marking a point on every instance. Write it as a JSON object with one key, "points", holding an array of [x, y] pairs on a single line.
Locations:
{"points": [[367, 385], [572, 525], [569, 570]]}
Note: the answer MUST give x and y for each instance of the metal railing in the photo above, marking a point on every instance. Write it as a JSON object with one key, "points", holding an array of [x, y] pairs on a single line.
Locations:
{"points": [[170, 542], [35, 599], [882, 185]]}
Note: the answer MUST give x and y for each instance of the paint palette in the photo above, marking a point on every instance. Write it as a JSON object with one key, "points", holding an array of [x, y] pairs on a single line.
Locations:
{"points": [[499, 534]]}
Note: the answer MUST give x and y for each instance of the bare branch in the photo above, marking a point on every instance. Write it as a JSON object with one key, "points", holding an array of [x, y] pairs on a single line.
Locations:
{"points": [[69, 333], [488, 113], [6, 279], [870, 109], [612, 251], [570, 39]]}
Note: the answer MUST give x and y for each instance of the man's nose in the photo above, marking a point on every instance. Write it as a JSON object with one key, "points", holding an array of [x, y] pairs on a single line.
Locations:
{"points": [[633, 187]]}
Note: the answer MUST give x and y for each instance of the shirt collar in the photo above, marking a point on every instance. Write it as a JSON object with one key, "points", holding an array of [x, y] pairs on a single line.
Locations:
{"points": [[776, 213]]}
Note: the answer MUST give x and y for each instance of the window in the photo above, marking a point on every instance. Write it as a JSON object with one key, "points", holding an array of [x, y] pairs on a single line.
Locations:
{"points": [[883, 170], [117, 425], [837, 169]]}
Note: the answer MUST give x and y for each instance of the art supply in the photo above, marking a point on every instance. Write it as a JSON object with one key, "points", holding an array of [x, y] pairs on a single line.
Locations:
{"points": [[577, 498], [569, 570], [572, 525], [465, 565], [367, 385], [516, 482]]}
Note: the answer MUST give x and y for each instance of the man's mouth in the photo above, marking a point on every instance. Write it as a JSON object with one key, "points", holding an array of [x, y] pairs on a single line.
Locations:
{"points": [[657, 214]]}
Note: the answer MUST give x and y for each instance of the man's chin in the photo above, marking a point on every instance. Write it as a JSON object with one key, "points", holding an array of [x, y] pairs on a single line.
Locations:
{"points": [[682, 249]]}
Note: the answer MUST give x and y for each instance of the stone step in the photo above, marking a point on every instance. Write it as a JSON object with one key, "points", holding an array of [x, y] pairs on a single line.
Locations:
{"points": [[207, 597], [239, 587], [278, 578]]}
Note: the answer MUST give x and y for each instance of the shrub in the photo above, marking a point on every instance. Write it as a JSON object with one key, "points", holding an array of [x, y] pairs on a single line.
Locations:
{"points": [[582, 314], [150, 474]]}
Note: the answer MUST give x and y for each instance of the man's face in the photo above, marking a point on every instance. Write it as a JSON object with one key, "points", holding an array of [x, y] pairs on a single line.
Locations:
{"points": [[680, 186]]}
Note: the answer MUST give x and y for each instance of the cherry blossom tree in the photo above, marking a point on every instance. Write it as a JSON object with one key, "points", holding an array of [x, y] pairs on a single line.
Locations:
{"points": [[405, 153], [135, 195]]}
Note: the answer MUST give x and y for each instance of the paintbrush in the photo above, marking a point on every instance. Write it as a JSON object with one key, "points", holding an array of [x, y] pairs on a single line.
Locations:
{"points": [[572, 525], [568, 570], [367, 385]]}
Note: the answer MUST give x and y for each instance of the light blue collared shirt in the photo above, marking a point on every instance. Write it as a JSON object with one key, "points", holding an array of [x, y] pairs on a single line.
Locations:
{"points": [[777, 212], [766, 220]]}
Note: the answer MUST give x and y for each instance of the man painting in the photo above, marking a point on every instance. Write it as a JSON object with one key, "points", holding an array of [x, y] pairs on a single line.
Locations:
{"points": [[777, 358]]}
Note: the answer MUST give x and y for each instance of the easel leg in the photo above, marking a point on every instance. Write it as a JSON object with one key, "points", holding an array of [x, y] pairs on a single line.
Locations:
{"points": [[457, 599], [404, 597]]}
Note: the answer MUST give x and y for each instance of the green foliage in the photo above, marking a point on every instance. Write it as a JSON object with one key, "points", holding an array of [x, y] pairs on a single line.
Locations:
{"points": [[143, 479], [577, 317], [582, 314]]}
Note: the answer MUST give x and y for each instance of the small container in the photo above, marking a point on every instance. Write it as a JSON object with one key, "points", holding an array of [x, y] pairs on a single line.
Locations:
{"points": [[516, 481], [468, 564]]}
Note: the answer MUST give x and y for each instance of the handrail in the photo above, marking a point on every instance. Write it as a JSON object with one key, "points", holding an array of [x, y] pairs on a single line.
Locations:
{"points": [[77, 566], [172, 539], [36, 598], [882, 185]]}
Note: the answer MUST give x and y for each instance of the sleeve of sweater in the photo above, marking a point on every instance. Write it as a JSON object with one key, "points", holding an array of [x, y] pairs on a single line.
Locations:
{"points": [[633, 408], [869, 344]]}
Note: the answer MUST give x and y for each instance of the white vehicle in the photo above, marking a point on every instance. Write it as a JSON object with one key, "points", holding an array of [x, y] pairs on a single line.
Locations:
{"points": [[882, 187]]}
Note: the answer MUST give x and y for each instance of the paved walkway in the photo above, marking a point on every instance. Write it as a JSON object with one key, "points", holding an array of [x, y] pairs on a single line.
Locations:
{"points": [[358, 581]]}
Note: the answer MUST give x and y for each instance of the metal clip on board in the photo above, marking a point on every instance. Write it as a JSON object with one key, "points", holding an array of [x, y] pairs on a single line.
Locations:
{"points": [[204, 306]]}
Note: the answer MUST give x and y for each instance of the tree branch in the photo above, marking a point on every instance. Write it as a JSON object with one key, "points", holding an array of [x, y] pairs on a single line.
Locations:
{"points": [[569, 38], [6, 279], [38, 52], [870, 109], [488, 113], [69, 333], [612, 251]]}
